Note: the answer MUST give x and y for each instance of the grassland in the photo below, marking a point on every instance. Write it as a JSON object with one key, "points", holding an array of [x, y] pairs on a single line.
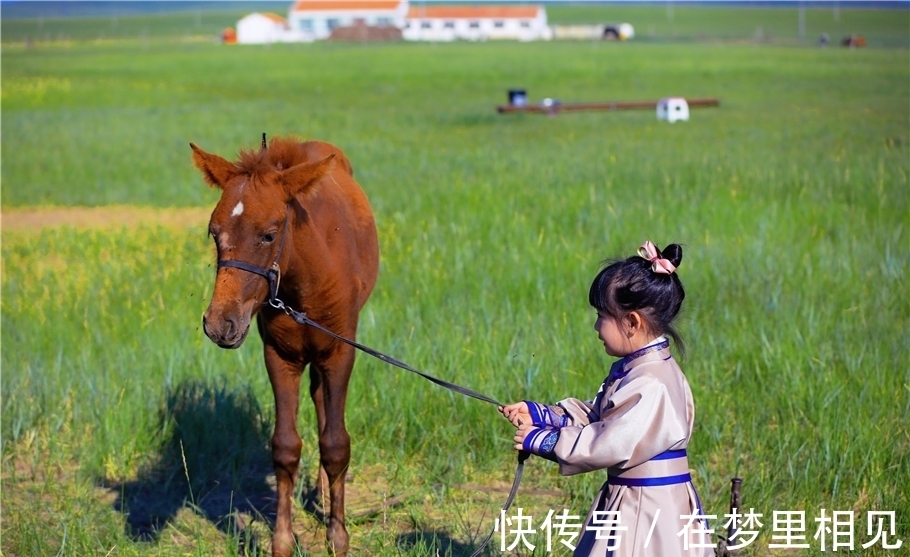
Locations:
{"points": [[126, 432]]}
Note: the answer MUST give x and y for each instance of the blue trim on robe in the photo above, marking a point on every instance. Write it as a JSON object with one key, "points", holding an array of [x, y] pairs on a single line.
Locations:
{"points": [[651, 482], [543, 416], [621, 368], [541, 442], [668, 455]]}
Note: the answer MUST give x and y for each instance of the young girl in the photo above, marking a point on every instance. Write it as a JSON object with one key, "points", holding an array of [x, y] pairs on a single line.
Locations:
{"points": [[639, 424]]}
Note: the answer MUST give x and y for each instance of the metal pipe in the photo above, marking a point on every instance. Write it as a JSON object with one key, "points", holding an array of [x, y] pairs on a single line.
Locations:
{"points": [[733, 527], [735, 507], [556, 107]]}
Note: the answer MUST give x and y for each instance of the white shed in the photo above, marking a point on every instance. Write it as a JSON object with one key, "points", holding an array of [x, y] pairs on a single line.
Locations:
{"points": [[261, 28], [318, 18], [476, 23]]}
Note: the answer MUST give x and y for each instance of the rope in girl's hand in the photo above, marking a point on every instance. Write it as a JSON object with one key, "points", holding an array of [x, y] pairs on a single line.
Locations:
{"points": [[301, 319]]}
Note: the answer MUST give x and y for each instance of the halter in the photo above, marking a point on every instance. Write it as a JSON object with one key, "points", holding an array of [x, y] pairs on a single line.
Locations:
{"points": [[273, 273]]}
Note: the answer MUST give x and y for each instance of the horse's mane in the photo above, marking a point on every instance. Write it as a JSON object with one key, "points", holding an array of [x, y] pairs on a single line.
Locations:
{"points": [[282, 153]]}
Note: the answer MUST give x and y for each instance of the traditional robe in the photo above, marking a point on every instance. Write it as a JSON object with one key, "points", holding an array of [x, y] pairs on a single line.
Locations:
{"points": [[637, 428]]}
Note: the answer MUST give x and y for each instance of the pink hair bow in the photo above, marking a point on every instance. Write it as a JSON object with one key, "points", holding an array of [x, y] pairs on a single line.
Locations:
{"points": [[659, 265]]}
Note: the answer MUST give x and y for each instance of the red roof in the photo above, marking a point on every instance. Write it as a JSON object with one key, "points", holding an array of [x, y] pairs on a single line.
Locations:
{"points": [[472, 12], [340, 5], [274, 17]]}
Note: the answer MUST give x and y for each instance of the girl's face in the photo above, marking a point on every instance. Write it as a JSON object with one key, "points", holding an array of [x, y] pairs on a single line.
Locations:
{"points": [[616, 342]]}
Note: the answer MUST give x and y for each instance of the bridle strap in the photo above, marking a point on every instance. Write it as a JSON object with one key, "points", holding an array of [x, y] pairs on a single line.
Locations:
{"points": [[245, 266]]}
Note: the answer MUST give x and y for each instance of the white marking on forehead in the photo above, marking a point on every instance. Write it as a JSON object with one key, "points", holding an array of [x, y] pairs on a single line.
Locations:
{"points": [[238, 209]]}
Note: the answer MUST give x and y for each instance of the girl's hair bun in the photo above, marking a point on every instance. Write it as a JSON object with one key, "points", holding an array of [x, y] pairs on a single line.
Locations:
{"points": [[645, 283], [673, 254]]}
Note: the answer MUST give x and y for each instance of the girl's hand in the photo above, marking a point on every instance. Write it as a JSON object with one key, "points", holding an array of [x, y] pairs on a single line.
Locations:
{"points": [[516, 413], [520, 434]]}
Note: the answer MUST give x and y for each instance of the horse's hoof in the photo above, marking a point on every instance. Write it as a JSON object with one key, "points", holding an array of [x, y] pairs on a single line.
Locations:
{"points": [[284, 546], [336, 539]]}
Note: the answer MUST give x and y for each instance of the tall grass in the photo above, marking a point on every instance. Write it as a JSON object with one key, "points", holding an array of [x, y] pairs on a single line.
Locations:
{"points": [[791, 201]]}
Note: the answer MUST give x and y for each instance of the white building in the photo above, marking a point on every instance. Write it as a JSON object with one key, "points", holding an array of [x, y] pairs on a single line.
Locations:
{"points": [[263, 28], [476, 23], [317, 18]]}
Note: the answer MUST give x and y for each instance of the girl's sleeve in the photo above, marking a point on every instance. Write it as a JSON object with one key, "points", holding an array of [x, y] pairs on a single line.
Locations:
{"points": [[636, 423], [564, 413], [578, 412]]}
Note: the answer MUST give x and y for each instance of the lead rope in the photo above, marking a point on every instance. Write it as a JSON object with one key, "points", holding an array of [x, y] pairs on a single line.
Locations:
{"points": [[301, 319], [273, 276]]}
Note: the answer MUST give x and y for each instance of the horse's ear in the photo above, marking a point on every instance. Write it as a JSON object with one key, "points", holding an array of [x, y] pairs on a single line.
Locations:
{"points": [[299, 178], [216, 171]]}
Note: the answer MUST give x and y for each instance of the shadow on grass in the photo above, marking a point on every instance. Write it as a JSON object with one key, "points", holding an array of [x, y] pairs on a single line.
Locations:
{"points": [[214, 458]]}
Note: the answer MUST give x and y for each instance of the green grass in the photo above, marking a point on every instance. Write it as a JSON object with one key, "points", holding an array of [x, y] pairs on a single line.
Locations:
{"points": [[791, 200], [676, 21]]}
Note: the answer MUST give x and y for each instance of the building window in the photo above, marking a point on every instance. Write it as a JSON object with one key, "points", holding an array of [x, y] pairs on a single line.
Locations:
{"points": [[526, 24], [499, 24], [449, 25], [305, 24], [425, 25], [332, 23], [474, 25], [407, 24], [383, 21]]}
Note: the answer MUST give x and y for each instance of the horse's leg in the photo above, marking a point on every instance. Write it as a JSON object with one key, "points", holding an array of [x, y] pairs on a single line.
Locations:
{"points": [[286, 445], [322, 482], [334, 441]]}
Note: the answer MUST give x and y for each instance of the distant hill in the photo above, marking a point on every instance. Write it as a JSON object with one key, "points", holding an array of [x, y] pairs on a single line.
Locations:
{"points": [[22, 9]]}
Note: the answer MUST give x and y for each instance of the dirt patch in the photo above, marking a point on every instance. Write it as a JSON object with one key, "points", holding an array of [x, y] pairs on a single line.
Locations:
{"points": [[111, 216]]}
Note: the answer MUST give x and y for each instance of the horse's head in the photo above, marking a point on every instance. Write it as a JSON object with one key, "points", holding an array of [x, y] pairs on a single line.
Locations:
{"points": [[249, 226]]}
